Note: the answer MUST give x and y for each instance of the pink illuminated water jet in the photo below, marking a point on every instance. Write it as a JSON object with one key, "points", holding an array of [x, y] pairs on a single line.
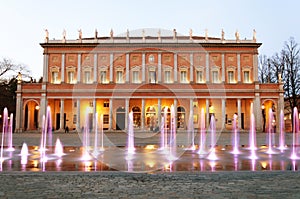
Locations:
{"points": [[202, 135], [282, 145], [295, 134], [212, 155], [130, 138], [270, 133], [59, 150], [235, 139]]}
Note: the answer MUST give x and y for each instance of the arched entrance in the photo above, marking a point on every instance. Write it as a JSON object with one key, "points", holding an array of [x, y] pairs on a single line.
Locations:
{"points": [[120, 118], [31, 115], [166, 112], [180, 117], [136, 117], [268, 107], [151, 120]]}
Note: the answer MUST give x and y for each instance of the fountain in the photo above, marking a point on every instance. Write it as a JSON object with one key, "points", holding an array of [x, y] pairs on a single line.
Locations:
{"points": [[202, 136], [172, 142], [59, 150], [235, 139], [4, 130], [282, 145], [270, 132], [191, 133], [145, 158], [130, 140], [295, 134], [212, 128]]}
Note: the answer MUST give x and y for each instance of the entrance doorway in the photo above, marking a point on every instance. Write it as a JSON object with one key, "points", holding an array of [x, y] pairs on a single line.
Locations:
{"points": [[58, 121], [120, 118]]}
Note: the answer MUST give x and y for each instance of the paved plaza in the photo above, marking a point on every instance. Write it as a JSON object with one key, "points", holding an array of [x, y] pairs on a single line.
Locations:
{"points": [[107, 184]]}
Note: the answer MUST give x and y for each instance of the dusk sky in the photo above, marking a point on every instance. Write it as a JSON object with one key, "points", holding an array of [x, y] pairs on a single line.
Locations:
{"points": [[23, 22]]}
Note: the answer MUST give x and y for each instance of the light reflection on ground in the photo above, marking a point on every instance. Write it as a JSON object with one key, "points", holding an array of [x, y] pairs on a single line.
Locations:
{"points": [[150, 159]]}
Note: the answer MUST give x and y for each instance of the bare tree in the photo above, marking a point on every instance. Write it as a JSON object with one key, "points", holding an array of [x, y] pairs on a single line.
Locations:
{"points": [[291, 72], [277, 63], [263, 70], [9, 69]]}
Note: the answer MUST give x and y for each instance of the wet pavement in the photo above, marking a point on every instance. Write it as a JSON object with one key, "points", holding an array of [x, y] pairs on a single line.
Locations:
{"points": [[201, 178]]}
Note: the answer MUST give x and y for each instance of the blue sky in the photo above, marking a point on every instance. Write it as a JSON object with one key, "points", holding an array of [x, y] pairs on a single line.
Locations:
{"points": [[23, 22]]}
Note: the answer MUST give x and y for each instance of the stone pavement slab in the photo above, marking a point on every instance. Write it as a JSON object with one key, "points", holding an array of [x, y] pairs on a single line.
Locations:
{"points": [[270, 184]]}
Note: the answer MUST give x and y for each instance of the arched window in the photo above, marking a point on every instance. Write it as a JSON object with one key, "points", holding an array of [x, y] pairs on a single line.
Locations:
{"points": [[180, 117], [151, 119], [136, 117]]}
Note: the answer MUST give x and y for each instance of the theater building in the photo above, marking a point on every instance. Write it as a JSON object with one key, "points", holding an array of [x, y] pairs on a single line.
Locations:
{"points": [[147, 73]]}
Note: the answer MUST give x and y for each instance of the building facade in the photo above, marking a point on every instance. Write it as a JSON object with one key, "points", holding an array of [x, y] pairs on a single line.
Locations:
{"points": [[147, 74]]}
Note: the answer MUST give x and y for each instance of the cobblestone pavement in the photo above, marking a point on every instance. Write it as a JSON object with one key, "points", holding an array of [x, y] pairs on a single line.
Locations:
{"points": [[258, 184], [159, 185]]}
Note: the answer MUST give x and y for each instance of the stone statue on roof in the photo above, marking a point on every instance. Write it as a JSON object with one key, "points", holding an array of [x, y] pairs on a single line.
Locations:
{"points": [[80, 34], [143, 34], [64, 35], [174, 33], [127, 34], [223, 35], [96, 33], [47, 35], [237, 35], [111, 33], [191, 34], [254, 35], [159, 34], [206, 34]]}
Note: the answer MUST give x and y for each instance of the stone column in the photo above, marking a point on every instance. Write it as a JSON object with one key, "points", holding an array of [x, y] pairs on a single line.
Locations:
{"points": [[223, 113], [207, 67], [143, 68], [223, 67], [78, 128], [239, 66], [159, 111], [111, 68], [95, 68], [126, 112], [159, 68], [239, 113], [79, 68], [94, 112], [191, 116], [191, 67], [19, 109], [255, 68], [127, 75], [175, 68], [63, 68], [175, 111], [143, 115], [280, 107], [257, 112], [61, 122], [110, 114], [45, 68], [207, 113]]}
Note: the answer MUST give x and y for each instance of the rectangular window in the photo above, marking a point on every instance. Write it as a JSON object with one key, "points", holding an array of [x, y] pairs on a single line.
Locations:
{"points": [[103, 77], [106, 104], [231, 77], [167, 76], [199, 76], [55, 77], [183, 77], [246, 77], [105, 119], [152, 77], [135, 77], [74, 119], [119, 78], [87, 77], [91, 104], [75, 104], [215, 77], [71, 79]]}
